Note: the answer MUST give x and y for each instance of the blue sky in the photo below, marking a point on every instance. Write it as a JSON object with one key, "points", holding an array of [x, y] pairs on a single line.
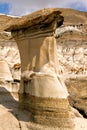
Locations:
{"points": [[22, 7], [79, 6], [4, 8]]}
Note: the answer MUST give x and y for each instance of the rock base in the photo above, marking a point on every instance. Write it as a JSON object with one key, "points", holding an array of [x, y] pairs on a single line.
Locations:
{"points": [[48, 111]]}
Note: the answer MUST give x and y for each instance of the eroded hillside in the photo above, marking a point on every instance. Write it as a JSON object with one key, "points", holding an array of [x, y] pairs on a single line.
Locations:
{"points": [[71, 39]]}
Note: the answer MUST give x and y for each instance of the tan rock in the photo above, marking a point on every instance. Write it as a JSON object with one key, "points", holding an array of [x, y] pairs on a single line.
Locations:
{"points": [[17, 66], [41, 87], [38, 17], [42, 81], [10, 53], [72, 64], [5, 74]]}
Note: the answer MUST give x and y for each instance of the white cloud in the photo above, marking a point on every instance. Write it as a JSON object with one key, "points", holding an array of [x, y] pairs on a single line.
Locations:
{"points": [[21, 7]]}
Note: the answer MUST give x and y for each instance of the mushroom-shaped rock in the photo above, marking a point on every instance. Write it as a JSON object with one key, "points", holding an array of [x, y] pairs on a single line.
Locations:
{"points": [[41, 92]]}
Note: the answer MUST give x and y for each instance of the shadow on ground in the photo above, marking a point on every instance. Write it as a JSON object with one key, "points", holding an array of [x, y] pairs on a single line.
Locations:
{"points": [[7, 100]]}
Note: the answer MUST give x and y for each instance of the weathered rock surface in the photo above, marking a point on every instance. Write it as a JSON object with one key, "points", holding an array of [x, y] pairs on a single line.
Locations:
{"points": [[71, 47], [70, 65], [9, 56], [43, 86], [12, 118], [5, 74], [42, 18], [78, 94], [4, 20]]}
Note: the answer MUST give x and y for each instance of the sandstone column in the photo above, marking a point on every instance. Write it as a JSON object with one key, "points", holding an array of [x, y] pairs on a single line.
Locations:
{"points": [[42, 92]]}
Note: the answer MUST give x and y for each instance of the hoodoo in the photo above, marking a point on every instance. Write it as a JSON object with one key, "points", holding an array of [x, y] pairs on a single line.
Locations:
{"points": [[42, 91]]}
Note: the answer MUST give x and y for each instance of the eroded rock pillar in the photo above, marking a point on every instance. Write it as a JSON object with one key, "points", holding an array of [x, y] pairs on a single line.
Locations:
{"points": [[42, 92]]}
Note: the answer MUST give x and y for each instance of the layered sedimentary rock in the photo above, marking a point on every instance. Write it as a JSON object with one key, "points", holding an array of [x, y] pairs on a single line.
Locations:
{"points": [[71, 67], [4, 20], [9, 54], [72, 47], [9, 73], [5, 74], [42, 92]]}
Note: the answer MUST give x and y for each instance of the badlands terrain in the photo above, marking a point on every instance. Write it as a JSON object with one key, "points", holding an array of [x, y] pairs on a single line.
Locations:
{"points": [[71, 56]]}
